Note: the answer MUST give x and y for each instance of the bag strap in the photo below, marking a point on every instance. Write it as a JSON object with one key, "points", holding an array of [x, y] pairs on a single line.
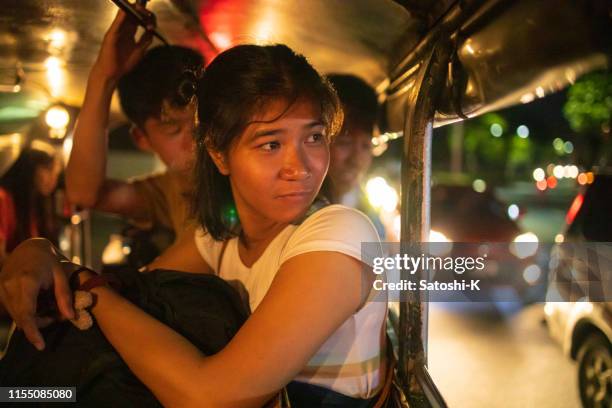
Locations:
{"points": [[385, 392]]}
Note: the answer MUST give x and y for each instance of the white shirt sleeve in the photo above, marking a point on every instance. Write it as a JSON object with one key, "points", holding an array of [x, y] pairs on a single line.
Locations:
{"points": [[335, 228], [209, 248]]}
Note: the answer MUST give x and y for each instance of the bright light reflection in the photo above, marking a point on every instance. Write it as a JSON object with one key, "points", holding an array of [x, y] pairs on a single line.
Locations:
{"points": [[55, 76], [524, 245], [442, 245], [538, 174], [532, 274], [568, 147], [513, 211], [381, 195], [590, 177], [479, 186], [57, 117], [57, 40], [559, 238], [221, 40], [264, 29], [66, 149], [528, 97], [522, 131], [397, 226], [496, 130], [558, 171]]}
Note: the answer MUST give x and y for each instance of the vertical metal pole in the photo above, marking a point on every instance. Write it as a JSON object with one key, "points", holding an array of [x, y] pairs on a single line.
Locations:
{"points": [[80, 237], [416, 182]]}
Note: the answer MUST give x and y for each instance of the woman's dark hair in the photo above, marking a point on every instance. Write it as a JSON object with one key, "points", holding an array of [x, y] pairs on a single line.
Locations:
{"points": [[165, 74], [359, 100], [235, 87], [30, 206]]}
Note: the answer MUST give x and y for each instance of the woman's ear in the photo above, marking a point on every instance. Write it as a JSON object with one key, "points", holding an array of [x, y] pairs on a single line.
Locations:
{"points": [[140, 139], [220, 160]]}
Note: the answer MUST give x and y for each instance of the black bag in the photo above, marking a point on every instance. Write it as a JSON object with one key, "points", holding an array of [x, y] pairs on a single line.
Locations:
{"points": [[205, 309]]}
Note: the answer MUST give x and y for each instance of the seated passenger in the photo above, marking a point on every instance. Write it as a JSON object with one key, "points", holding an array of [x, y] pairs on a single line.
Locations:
{"points": [[262, 154], [351, 151], [151, 88], [26, 202]]}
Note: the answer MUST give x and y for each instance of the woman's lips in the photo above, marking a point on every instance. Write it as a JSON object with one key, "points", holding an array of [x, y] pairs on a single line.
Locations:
{"points": [[295, 195]]}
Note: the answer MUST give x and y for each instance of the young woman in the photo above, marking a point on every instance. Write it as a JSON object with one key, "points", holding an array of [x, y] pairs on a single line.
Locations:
{"points": [[266, 120], [26, 207]]}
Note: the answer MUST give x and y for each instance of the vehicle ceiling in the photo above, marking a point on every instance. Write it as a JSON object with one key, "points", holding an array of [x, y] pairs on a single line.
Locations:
{"points": [[56, 41], [528, 49]]}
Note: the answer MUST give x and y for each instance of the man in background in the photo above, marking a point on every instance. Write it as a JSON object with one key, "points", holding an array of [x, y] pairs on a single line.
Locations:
{"points": [[156, 89], [351, 151]]}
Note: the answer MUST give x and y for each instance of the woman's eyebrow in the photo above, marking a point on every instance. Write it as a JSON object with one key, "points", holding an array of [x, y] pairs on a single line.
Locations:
{"points": [[265, 132], [276, 131]]}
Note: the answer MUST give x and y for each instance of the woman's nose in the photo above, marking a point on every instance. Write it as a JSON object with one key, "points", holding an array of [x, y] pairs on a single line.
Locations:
{"points": [[295, 166]]}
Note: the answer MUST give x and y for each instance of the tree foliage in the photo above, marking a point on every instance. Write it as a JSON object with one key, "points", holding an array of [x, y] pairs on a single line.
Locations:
{"points": [[589, 103]]}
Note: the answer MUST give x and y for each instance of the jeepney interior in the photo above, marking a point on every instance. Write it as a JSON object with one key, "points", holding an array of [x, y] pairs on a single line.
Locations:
{"points": [[431, 62]]}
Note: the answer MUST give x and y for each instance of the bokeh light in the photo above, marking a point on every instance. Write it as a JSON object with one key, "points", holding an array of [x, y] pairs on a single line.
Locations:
{"points": [[513, 211], [539, 174], [522, 131], [496, 130], [479, 185]]}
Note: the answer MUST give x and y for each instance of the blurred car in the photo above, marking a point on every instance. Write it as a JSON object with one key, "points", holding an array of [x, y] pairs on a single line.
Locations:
{"points": [[584, 329], [461, 215]]}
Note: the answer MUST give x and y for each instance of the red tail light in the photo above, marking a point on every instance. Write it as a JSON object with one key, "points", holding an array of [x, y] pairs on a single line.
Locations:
{"points": [[574, 208]]}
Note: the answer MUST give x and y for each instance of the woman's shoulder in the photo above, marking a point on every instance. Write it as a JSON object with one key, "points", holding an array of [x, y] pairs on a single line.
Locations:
{"points": [[337, 216], [333, 228], [209, 248]]}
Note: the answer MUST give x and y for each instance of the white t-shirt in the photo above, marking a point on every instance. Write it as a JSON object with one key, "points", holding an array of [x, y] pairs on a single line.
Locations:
{"points": [[351, 361]]}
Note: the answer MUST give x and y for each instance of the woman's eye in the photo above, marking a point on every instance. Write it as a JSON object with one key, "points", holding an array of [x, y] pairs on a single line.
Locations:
{"points": [[315, 138], [269, 146]]}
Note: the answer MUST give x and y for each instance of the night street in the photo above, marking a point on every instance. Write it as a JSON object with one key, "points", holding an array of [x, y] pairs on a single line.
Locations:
{"points": [[486, 355]]}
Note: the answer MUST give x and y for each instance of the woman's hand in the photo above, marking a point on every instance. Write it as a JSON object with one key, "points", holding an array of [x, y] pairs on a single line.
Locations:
{"points": [[34, 266], [120, 51]]}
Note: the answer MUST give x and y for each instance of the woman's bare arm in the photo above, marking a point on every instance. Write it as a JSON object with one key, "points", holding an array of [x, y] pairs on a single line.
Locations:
{"points": [[300, 311], [36, 264]]}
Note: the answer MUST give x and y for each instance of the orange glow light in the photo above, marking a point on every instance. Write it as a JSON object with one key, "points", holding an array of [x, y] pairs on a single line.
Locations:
{"points": [[590, 177], [551, 182], [582, 179], [541, 185]]}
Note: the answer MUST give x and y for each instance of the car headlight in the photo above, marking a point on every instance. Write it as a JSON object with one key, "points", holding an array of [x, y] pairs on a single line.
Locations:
{"points": [[524, 245]]}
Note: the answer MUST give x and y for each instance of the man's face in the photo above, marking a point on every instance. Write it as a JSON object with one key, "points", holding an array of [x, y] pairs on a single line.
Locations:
{"points": [[171, 137], [351, 156]]}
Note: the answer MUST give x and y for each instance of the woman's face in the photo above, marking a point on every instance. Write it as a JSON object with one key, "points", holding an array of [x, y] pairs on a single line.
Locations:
{"points": [[46, 178], [278, 163]]}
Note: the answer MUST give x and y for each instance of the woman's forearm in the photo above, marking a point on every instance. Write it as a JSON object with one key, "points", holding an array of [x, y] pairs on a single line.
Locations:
{"points": [[162, 359]]}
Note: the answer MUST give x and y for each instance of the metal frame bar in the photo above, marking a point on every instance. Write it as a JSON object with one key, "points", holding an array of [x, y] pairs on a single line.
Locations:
{"points": [[416, 181]]}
